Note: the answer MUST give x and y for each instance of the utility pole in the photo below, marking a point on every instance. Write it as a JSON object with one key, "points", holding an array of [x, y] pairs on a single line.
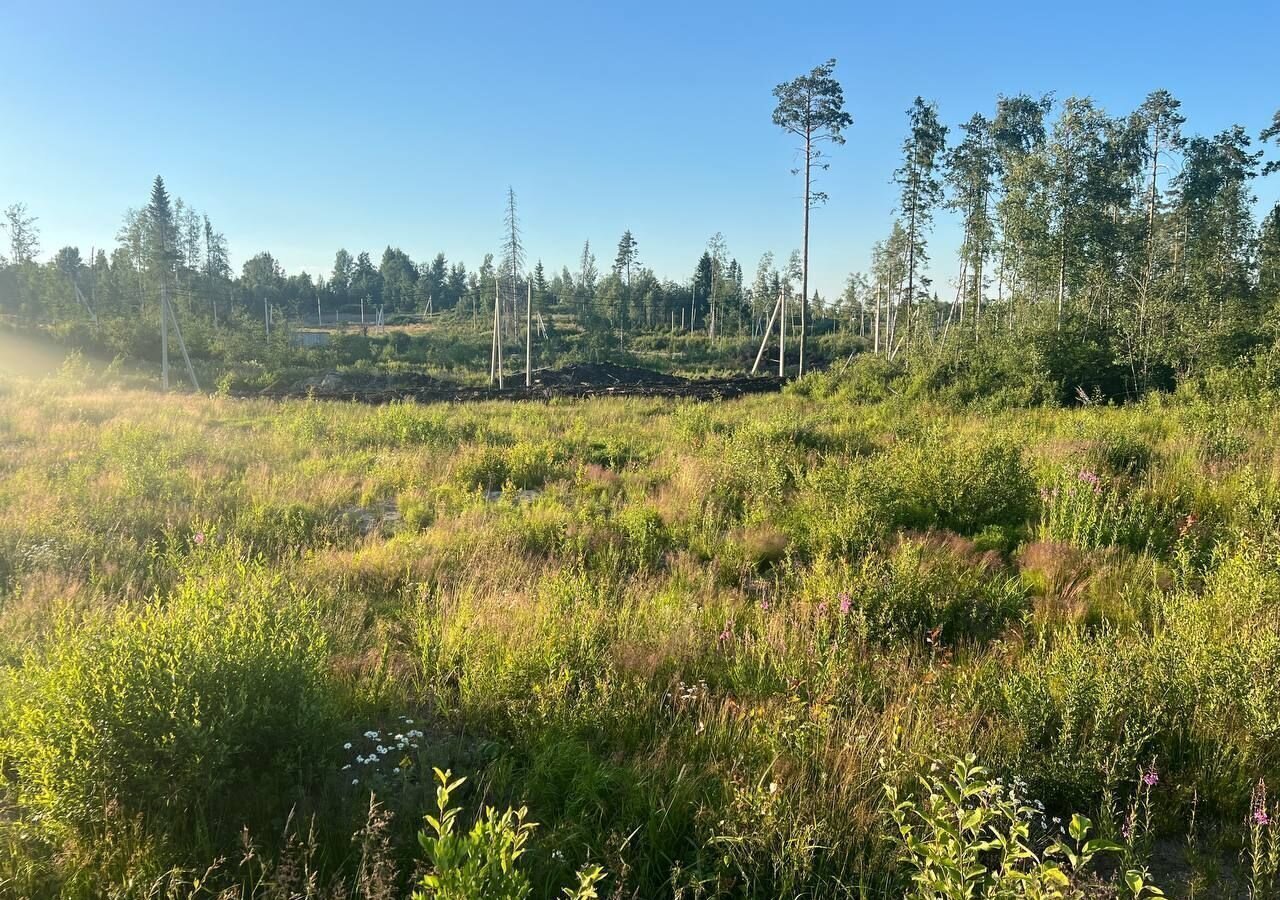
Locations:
{"points": [[164, 332], [768, 330], [182, 344], [495, 359], [782, 335]]}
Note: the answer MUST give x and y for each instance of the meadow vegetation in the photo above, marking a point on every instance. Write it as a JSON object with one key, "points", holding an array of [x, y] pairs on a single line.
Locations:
{"points": [[798, 645]]}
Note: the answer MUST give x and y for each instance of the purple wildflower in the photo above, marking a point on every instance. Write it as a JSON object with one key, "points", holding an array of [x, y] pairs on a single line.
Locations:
{"points": [[727, 635], [845, 602], [1151, 777], [1258, 814], [199, 538]]}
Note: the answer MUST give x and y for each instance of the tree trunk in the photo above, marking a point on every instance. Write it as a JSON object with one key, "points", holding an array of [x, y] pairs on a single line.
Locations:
{"points": [[804, 257]]}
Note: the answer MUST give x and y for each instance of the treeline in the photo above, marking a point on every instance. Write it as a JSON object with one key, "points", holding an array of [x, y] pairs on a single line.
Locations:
{"points": [[1121, 234], [1123, 231]]}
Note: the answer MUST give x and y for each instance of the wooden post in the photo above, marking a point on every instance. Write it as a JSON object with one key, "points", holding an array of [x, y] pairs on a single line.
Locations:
{"points": [[497, 332], [182, 345], [528, 338], [782, 336], [164, 333], [767, 330]]}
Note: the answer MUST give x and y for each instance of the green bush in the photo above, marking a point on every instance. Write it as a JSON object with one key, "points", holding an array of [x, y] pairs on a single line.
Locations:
{"points": [[964, 485], [198, 708], [1121, 452], [963, 834], [922, 586]]}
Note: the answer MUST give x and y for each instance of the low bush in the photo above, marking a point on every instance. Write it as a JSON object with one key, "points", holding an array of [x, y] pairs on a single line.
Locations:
{"points": [[193, 711]]}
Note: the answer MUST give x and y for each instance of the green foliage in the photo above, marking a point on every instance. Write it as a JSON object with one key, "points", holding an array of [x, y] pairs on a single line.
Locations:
{"points": [[963, 485], [484, 861], [965, 835], [921, 586], [176, 709]]}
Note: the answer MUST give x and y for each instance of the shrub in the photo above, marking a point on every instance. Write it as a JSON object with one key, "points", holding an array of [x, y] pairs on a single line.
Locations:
{"points": [[963, 485], [198, 705], [524, 465], [1121, 452], [484, 861], [964, 835], [920, 587]]}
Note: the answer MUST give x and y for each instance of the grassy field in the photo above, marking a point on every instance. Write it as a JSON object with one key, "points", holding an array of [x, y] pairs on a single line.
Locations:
{"points": [[708, 648]]}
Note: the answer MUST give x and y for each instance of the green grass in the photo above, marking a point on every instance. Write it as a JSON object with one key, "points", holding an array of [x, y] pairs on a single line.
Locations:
{"points": [[696, 641]]}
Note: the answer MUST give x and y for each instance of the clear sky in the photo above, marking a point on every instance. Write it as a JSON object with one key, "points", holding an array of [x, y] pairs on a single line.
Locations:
{"points": [[300, 128]]}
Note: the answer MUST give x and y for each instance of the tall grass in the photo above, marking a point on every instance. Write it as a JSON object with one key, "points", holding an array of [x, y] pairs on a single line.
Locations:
{"points": [[694, 641]]}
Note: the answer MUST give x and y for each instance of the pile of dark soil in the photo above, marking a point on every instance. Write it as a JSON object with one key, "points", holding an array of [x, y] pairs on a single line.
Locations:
{"points": [[582, 380]]}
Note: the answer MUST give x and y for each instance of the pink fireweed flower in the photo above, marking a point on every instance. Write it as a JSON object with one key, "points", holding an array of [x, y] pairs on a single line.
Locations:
{"points": [[1151, 777], [199, 538], [845, 602], [727, 635], [764, 604], [1258, 813], [1092, 479], [822, 608]]}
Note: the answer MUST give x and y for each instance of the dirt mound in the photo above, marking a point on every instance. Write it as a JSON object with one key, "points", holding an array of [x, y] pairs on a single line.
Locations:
{"points": [[604, 375], [584, 380], [337, 384]]}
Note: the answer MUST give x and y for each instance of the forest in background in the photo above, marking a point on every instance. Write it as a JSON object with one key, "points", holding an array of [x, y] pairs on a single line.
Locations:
{"points": [[1106, 253]]}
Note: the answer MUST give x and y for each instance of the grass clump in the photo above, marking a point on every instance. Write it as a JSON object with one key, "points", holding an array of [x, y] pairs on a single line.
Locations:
{"points": [[200, 707]]}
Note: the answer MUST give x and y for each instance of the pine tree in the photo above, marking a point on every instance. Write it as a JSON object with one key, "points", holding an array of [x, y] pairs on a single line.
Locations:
{"points": [[811, 107], [921, 189]]}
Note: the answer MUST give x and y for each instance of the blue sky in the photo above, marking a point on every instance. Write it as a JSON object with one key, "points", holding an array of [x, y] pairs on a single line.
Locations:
{"points": [[300, 128]]}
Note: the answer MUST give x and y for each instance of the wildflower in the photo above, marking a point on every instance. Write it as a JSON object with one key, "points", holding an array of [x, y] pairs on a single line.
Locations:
{"points": [[347, 766], [355, 780], [346, 746], [1089, 478], [1151, 777], [822, 608], [371, 735], [396, 770], [199, 538], [1258, 815], [845, 602], [764, 605], [727, 634]]}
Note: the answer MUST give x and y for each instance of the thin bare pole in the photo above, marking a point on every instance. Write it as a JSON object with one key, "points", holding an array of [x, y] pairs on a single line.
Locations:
{"points": [[164, 333], [497, 332], [768, 330], [493, 342], [528, 337], [876, 325], [782, 336], [182, 345]]}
